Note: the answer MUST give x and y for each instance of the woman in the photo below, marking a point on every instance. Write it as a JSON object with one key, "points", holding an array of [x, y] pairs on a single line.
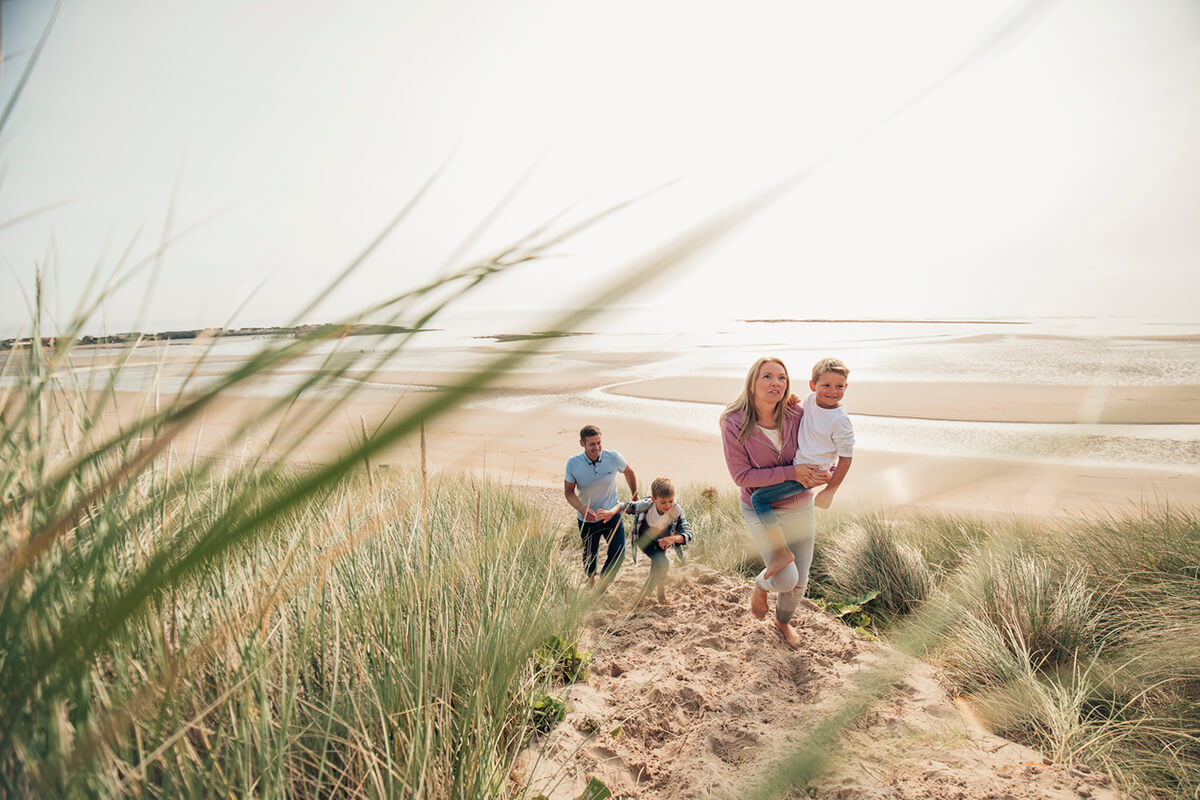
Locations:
{"points": [[758, 431]]}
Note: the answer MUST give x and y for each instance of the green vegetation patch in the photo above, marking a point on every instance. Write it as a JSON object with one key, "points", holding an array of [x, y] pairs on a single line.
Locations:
{"points": [[562, 660], [545, 710]]}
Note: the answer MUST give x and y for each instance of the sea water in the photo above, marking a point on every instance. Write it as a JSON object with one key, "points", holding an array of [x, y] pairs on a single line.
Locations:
{"points": [[1059, 351]]}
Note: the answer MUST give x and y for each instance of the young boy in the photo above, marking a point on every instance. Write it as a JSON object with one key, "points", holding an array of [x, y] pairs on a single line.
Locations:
{"points": [[658, 524], [825, 440]]}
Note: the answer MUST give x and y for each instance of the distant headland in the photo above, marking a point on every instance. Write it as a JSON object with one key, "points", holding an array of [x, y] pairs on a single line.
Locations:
{"points": [[323, 331]]}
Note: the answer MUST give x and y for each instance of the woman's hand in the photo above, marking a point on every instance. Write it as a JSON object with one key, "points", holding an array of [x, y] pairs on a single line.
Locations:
{"points": [[809, 476]]}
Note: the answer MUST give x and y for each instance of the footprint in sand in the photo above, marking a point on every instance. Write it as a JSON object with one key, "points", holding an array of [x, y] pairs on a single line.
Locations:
{"points": [[640, 772], [602, 753], [732, 747], [689, 699]]}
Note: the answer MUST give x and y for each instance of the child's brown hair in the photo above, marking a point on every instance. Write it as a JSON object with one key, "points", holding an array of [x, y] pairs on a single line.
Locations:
{"points": [[829, 365], [662, 487]]}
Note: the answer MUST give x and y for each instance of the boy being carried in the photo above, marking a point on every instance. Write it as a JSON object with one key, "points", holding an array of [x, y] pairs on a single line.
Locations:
{"points": [[825, 437]]}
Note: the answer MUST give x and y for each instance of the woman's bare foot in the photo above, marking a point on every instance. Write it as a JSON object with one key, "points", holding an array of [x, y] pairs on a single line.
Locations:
{"points": [[779, 560], [787, 633], [758, 603]]}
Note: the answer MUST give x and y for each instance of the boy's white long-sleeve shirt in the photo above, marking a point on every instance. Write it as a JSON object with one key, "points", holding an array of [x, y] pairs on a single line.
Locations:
{"points": [[825, 434]]}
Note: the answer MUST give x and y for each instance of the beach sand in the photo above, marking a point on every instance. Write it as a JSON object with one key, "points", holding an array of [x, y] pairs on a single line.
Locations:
{"points": [[692, 698], [522, 428]]}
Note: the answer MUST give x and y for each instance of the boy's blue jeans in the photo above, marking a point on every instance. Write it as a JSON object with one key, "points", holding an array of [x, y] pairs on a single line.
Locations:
{"points": [[762, 497]]}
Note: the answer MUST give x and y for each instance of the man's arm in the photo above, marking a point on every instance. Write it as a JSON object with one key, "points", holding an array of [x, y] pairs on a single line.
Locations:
{"points": [[589, 515], [631, 479]]}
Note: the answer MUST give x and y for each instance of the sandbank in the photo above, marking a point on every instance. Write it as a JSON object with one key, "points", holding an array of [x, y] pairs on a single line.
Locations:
{"points": [[522, 428], [968, 402]]}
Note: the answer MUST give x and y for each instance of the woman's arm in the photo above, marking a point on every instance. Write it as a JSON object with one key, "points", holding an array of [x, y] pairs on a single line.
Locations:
{"points": [[810, 477], [743, 472]]}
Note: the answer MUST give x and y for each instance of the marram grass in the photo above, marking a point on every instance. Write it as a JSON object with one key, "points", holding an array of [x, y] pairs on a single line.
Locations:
{"points": [[1079, 638], [357, 649]]}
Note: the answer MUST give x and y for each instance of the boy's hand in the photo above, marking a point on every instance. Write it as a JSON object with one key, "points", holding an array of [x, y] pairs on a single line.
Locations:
{"points": [[605, 514], [824, 499], [793, 401], [667, 541]]}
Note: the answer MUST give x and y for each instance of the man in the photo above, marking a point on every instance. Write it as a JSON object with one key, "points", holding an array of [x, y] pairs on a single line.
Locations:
{"points": [[590, 486]]}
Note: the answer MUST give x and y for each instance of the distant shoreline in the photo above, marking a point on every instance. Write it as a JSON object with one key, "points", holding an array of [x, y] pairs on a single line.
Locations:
{"points": [[326, 330]]}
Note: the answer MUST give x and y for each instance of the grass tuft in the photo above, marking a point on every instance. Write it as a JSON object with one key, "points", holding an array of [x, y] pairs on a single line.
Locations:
{"points": [[868, 556]]}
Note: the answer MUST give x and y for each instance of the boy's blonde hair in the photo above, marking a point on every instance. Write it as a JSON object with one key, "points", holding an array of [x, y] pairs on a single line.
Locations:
{"points": [[830, 365], [745, 401], [662, 487]]}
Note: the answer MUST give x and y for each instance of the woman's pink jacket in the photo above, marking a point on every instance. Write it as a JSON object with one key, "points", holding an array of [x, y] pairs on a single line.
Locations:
{"points": [[756, 462]]}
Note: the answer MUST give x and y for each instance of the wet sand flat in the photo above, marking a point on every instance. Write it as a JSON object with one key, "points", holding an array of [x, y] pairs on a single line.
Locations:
{"points": [[530, 445]]}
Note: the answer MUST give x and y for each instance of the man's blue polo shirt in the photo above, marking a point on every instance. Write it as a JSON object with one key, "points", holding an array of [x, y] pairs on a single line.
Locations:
{"points": [[597, 483]]}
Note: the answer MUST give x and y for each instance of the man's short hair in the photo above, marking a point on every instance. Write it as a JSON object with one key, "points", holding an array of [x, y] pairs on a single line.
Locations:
{"points": [[662, 487], [588, 431], [830, 365]]}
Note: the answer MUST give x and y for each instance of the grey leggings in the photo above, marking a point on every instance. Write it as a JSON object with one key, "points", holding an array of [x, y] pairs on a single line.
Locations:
{"points": [[799, 531]]}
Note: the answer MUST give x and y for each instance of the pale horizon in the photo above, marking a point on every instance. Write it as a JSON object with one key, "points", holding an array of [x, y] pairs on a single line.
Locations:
{"points": [[1054, 175]]}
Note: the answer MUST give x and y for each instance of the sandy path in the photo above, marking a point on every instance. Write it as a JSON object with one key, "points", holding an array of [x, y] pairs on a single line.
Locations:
{"points": [[692, 699]]}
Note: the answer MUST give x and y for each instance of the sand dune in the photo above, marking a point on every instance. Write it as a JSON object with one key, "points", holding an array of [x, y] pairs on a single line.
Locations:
{"points": [[703, 695], [695, 698]]}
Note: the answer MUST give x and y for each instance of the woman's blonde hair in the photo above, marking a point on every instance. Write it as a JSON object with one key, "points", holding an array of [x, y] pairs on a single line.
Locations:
{"points": [[745, 401]]}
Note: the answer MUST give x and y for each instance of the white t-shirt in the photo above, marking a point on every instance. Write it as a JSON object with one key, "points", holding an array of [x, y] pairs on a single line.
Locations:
{"points": [[773, 436], [659, 522], [825, 434]]}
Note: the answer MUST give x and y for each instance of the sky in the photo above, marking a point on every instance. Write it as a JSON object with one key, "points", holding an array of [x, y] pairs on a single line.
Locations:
{"points": [[977, 160]]}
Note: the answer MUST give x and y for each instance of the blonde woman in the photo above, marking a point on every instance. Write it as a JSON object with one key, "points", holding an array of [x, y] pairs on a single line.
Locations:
{"points": [[758, 431]]}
